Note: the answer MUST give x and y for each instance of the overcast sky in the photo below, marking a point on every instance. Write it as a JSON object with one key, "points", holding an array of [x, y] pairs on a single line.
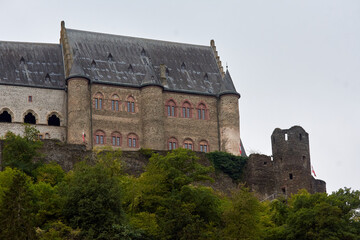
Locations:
{"points": [[293, 62]]}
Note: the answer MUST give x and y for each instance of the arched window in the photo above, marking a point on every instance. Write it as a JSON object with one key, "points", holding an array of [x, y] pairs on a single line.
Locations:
{"points": [[30, 118], [5, 116], [47, 136], [130, 104], [116, 139], [172, 143], [171, 109], [53, 120], [186, 110], [132, 140], [100, 138], [188, 144], [204, 146], [98, 101], [115, 103], [202, 112]]}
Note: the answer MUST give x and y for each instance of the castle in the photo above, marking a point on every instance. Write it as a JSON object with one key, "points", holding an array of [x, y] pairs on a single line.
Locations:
{"points": [[96, 89], [100, 89]]}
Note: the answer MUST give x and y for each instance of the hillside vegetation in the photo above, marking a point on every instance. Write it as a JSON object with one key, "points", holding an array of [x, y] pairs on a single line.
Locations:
{"points": [[98, 201]]}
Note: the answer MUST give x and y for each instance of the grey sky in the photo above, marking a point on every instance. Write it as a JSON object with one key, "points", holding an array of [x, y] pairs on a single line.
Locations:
{"points": [[294, 62]]}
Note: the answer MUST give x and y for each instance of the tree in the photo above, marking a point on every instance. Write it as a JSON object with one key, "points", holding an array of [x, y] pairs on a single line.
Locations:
{"points": [[16, 210], [93, 201], [19, 152]]}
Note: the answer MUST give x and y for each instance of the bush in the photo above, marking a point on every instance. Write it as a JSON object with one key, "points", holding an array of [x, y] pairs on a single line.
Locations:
{"points": [[230, 164]]}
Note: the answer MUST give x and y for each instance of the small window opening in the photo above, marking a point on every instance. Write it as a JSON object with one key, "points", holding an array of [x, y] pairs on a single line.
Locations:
{"points": [[183, 66], [265, 163], [47, 77], [30, 99], [283, 190], [304, 158], [5, 117], [30, 118], [286, 136], [206, 78], [291, 176], [130, 68], [53, 120], [300, 136], [110, 57], [93, 64], [47, 136]]}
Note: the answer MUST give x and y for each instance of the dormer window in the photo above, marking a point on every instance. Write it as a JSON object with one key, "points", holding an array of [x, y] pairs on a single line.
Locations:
{"points": [[206, 78], [93, 64], [183, 66], [143, 52], [130, 69], [110, 57], [47, 77]]}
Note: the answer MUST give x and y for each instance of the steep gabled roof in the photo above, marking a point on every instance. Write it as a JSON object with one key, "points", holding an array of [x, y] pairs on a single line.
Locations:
{"points": [[130, 61], [31, 64]]}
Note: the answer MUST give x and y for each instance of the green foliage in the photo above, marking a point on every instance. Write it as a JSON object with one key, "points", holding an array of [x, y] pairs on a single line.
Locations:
{"points": [[19, 152], [58, 231], [146, 152], [92, 201], [110, 159], [16, 209], [230, 164], [51, 173], [242, 218]]}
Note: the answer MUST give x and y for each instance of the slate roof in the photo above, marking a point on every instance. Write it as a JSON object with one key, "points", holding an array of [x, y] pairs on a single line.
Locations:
{"points": [[129, 61], [31, 64]]}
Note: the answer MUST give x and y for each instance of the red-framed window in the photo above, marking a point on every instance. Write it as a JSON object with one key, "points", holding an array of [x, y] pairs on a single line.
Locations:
{"points": [[116, 139], [188, 144], [130, 104], [204, 146], [98, 101], [202, 112], [115, 103], [172, 143], [100, 138], [171, 108], [186, 110], [132, 140]]}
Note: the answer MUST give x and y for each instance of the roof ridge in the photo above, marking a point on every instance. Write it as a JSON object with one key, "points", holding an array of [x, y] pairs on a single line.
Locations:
{"points": [[34, 43], [140, 38]]}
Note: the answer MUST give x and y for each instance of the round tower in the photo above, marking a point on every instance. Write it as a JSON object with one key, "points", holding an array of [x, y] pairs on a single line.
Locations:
{"points": [[152, 117], [291, 157], [229, 127], [79, 111]]}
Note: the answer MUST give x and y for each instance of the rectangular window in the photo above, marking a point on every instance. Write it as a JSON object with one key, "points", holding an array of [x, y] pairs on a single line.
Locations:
{"points": [[187, 112], [134, 142], [203, 114], [129, 142], [96, 103], [186, 146], [118, 141], [170, 145], [117, 105], [172, 111], [101, 139], [128, 106], [190, 146], [100, 103], [113, 105], [205, 148], [201, 148], [132, 107], [199, 114], [30, 99], [97, 139], [169, 114], [184, 111], [174, 145], [114, 141]]}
